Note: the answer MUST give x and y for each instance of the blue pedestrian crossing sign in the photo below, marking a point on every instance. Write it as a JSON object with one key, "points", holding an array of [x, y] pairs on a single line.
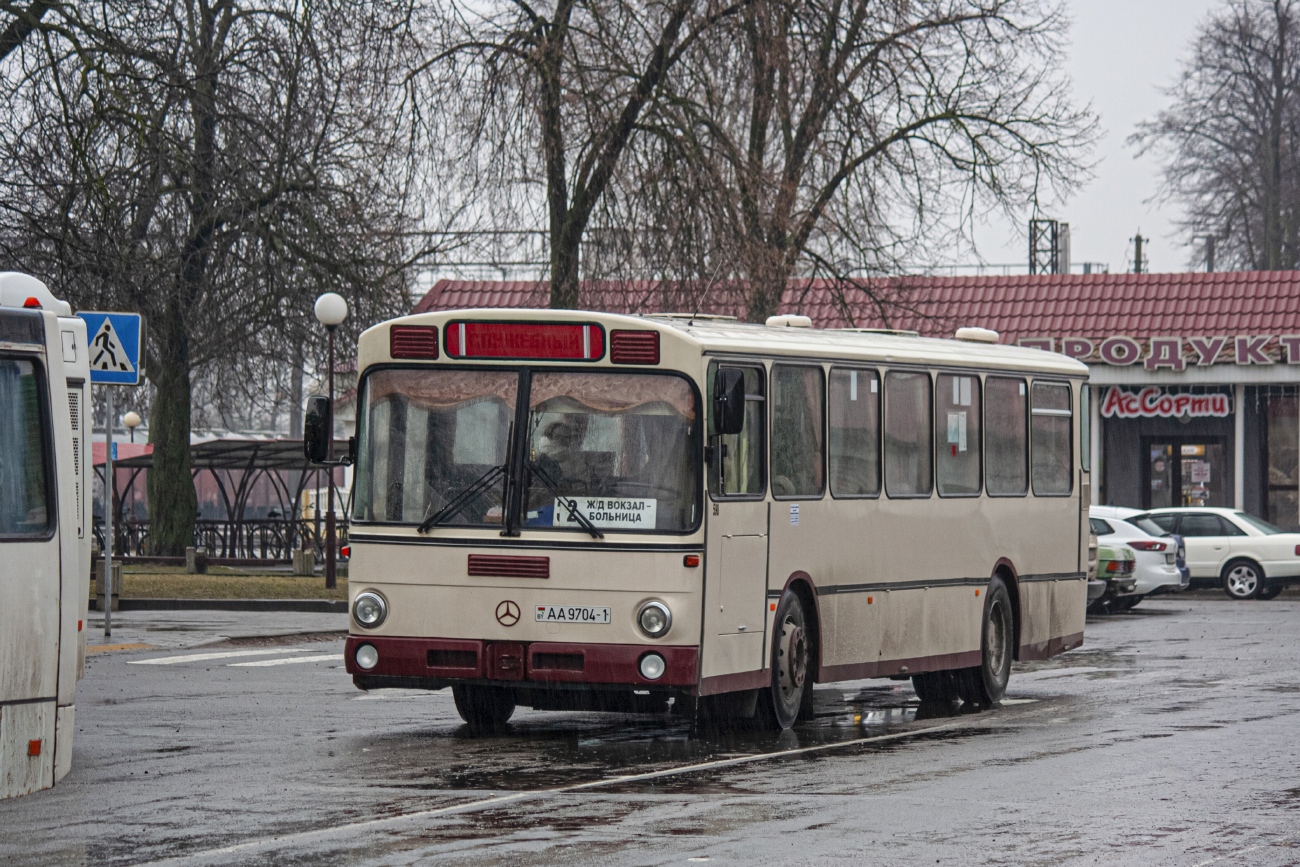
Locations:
{"points": [[114, 347]]}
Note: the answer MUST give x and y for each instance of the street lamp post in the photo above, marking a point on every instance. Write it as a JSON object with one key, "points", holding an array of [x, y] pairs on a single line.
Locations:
{"points": [[132, 421], [331, 310]]}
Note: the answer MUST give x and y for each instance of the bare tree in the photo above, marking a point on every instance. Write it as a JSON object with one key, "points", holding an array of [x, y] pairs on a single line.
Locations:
{"points": [[840, 138], [547, 101], [213, 164], [1230, 140]]}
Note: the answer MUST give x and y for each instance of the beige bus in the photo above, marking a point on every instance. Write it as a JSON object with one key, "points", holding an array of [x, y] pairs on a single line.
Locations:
{"points": [[573, 510]]}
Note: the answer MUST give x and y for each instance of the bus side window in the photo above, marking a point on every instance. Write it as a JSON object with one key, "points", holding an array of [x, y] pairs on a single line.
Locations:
{"points": [[1050, 425], [738, 461], [24, 460], [854, 433], [907, 434], [957, 435], [797, 431], [1006, 422]]}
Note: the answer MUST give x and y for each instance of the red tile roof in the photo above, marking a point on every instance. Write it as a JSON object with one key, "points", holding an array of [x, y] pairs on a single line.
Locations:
{"points": [[1093, 305]]}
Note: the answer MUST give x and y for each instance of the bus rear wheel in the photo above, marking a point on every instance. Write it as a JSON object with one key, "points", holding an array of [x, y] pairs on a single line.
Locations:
{"points": [[790, 695], [985, 684], [484, 709]]}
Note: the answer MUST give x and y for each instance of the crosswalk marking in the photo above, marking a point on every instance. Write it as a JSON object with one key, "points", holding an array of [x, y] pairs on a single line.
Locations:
{"points": [[203, 657], [337, 657]]}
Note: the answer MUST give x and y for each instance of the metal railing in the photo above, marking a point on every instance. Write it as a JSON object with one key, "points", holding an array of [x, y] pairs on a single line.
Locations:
{"points": [[272, 539]]}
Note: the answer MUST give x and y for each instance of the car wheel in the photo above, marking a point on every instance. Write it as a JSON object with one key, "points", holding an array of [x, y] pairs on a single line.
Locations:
{"points": [[985, 684], [486, 709], [1242, 579], [1269, 591], [790, 696], [1124, 603]]}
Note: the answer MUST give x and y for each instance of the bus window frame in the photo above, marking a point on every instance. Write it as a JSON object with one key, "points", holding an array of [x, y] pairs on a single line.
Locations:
{"points": [[47, 444], [1072, 428], [880, 431], [929, 372], [518, 443], [770, 421], [1024, 380], [977, 375], [715, 464]]}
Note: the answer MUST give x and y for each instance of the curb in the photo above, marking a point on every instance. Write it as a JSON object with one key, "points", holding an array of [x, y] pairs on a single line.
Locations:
{"points": [[317, 606]]}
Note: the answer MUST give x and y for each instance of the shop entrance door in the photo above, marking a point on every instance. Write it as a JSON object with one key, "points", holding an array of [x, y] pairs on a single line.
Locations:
{"points": [[1183, 471]]}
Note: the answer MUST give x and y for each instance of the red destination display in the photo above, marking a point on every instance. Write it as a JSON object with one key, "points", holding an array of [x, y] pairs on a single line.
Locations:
{"points": [[559, 341]]}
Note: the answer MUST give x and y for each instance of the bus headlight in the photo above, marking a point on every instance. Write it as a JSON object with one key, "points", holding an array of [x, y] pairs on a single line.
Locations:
{"points": [[652, 666], [367, 657], [655, 619], [369, 609]]}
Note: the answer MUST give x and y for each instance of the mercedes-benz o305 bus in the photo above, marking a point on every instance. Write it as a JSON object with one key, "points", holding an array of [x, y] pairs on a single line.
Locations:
{"points": [[572, 510], [44, 531]]}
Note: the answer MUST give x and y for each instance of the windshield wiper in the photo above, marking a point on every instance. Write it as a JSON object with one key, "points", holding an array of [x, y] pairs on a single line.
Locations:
{"points": [[569, 504], [462, 499]]}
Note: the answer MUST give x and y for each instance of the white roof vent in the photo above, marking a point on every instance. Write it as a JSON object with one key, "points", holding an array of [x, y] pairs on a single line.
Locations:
{"points": [[977, 335], [788, 320], [16, 288]]}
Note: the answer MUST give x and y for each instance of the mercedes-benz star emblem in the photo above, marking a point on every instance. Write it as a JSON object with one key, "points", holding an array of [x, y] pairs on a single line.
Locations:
{"points": [[507, 613]]}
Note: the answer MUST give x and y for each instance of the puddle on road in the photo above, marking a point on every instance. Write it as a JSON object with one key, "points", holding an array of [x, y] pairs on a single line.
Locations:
{"points": [[553, 749]]}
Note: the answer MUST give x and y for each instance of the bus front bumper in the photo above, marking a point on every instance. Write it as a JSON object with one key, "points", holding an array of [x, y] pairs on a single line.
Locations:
{"points": [[445, 661]]}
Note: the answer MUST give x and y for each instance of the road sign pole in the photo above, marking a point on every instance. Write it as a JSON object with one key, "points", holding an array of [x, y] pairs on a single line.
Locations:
{"points": [[115, 343], [107, 582]]}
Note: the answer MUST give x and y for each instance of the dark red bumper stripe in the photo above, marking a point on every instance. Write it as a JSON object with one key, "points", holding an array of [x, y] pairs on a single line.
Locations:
{"points": [[546, 662]]}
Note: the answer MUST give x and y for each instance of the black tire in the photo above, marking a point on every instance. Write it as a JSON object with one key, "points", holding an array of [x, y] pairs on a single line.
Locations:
{"points": [[984, 685], [936, 687], [1241, 579], [486, 709], [1269, 591], [789, 697], [1125, 603]]}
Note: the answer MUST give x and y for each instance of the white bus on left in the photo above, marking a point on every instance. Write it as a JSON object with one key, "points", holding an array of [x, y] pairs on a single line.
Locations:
{"points": [[44, 531]]}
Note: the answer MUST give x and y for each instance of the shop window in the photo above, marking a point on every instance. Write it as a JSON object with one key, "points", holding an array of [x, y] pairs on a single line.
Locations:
{"points": [[957, 435], [797, 431], [1282, 482], [1050, 438], [1006, 425], [907, 434], [740, 462], [854, 433]]}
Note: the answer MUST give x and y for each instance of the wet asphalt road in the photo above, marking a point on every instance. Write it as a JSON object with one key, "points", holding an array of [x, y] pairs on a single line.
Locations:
{"points": [[1171, 737]]}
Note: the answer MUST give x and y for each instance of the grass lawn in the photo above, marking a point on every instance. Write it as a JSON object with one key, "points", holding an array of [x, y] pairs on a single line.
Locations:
{"points": [[161, 582]]}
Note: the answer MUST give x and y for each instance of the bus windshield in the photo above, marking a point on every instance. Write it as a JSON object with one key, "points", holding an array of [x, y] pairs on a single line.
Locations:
{"points": [[618, 447]]}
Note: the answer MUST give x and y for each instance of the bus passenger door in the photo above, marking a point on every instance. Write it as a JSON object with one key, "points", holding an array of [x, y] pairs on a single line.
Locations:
{"points": [[737, 543]]}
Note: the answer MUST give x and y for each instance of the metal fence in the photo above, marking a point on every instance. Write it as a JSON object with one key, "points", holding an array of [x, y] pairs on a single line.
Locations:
{"points": [[273, 539]]}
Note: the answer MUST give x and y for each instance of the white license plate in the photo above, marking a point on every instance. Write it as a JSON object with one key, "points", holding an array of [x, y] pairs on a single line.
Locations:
{"points": [[572, 614]]}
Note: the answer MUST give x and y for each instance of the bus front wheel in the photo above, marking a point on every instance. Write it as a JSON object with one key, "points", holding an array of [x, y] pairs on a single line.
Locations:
{"points": [[790, 695], [985, 684], [484, 708]]}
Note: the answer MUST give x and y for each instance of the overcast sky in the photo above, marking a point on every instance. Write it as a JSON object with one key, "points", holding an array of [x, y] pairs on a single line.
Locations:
{"points": [[1124, 53]]}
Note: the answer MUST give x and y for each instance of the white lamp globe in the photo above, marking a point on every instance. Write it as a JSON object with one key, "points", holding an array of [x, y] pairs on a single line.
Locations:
{"points": [[331, 309], [131, 420]]}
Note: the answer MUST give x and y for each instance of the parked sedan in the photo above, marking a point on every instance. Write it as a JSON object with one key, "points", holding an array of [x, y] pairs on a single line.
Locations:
{"points": [[1158, 552], [1249, 557]]}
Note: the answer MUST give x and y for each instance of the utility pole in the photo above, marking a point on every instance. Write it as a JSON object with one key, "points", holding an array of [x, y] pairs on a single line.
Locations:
{"points": [[1209, 254]]}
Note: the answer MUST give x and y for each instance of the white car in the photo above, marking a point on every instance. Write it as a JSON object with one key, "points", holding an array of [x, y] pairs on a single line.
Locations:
{"points": [[1250, 557], [1155, 549]]}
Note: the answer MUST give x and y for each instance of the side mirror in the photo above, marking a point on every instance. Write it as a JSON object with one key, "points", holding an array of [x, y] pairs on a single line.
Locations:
{"points": [[317, 428], [729, 400]]}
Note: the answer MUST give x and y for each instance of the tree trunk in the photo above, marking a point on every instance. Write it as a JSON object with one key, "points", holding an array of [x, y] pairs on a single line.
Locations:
{"points": [[172, 501], [769, 272]]}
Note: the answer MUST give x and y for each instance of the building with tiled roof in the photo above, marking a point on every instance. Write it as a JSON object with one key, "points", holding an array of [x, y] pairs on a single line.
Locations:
{"points": [[1149, 338]]}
